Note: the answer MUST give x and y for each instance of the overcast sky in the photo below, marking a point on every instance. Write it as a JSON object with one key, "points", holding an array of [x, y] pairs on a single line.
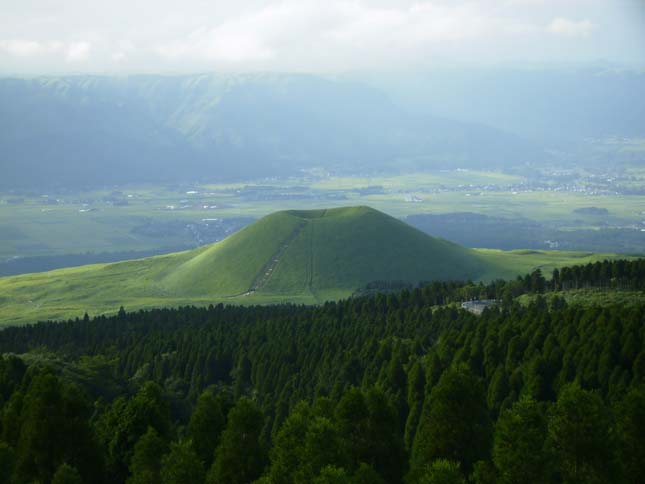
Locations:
{"points": [[328, 36]]}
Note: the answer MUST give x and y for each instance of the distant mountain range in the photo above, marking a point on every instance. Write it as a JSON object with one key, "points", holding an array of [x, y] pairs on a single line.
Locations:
{"points": [[559, 105], [94, 130]]}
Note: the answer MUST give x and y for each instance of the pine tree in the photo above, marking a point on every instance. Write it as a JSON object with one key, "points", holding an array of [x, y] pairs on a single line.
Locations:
{"points": [[145, 467], [66, 474], [519, 444], [442, 471], [240, 456], [332, 475], [630, 425], [181, 465], [126, 421], [454, 425], [54, 429], [7, 462], [579, 435], [206, 425]]}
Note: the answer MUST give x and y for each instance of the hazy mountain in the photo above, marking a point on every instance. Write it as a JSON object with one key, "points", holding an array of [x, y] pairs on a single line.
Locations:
{"points": [[558, 106], [98, 130]]}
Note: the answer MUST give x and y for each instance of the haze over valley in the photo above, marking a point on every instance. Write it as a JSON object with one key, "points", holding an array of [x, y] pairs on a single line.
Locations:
{"points": [[137, 165]]}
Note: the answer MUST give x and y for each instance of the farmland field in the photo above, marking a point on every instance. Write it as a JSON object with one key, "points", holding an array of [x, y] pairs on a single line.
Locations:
{"points": [[158, 219]]}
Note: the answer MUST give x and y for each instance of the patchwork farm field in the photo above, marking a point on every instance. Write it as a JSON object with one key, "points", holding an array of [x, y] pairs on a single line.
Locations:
{"points": [[161, 218]]}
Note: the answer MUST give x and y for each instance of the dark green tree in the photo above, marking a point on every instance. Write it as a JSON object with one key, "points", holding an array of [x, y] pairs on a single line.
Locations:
{"points": [[54, 430], [497, 390], [240, 456], [579, 435], [630, 426], [442, 471], [366, 475], [385, 452], [145, 466], [323, 447], [11, 418], [455, 424], [123, 424], [519, 444], [7, 463], [66, 474], [484, 472], [242, 376], [181, 465], [416, 387], [12, 370], [307, 442], [206, 425], [370, 424], [332, 475], [287, 450]]}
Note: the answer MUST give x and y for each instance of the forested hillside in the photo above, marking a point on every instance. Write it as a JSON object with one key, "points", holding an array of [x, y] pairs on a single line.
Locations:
{"points": [[397, 387]]}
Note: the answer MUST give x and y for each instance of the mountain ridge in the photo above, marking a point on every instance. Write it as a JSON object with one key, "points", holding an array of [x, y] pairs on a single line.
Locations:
{"points": [[98, 130]]}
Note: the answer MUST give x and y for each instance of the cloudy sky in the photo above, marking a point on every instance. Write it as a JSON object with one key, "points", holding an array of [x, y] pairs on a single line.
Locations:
{"points": [[45, 36]]}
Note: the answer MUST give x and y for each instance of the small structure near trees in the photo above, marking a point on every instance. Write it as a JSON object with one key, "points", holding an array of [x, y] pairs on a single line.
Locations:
{"points": [[477, 306]]}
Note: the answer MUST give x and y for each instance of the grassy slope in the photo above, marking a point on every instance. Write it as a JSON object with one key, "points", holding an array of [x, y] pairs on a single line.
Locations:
{"points": [[506, 264], [322, 254], [346, 248], [229, 267]]}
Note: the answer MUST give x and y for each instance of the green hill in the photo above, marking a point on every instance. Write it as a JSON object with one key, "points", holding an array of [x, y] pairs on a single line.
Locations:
{"points": [[298, 256], [296, 252]]}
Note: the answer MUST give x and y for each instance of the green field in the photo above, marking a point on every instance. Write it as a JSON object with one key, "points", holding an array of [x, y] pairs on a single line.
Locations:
{"points": [[72, 223], [294, 256], [507, 264]]}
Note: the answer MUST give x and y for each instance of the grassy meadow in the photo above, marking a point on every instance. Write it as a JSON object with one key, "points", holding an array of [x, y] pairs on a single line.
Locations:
{"points": [[295, 256]]}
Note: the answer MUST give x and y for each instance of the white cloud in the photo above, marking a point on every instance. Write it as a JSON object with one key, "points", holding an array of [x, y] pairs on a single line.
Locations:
{"points": [[570, 28], [72, 51], [310, 35], [21, 48], [221, 44], [77, 51], [297, 31], [121, 51], [524, 3], [28, 48], [119, 56], [255, 36]]}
